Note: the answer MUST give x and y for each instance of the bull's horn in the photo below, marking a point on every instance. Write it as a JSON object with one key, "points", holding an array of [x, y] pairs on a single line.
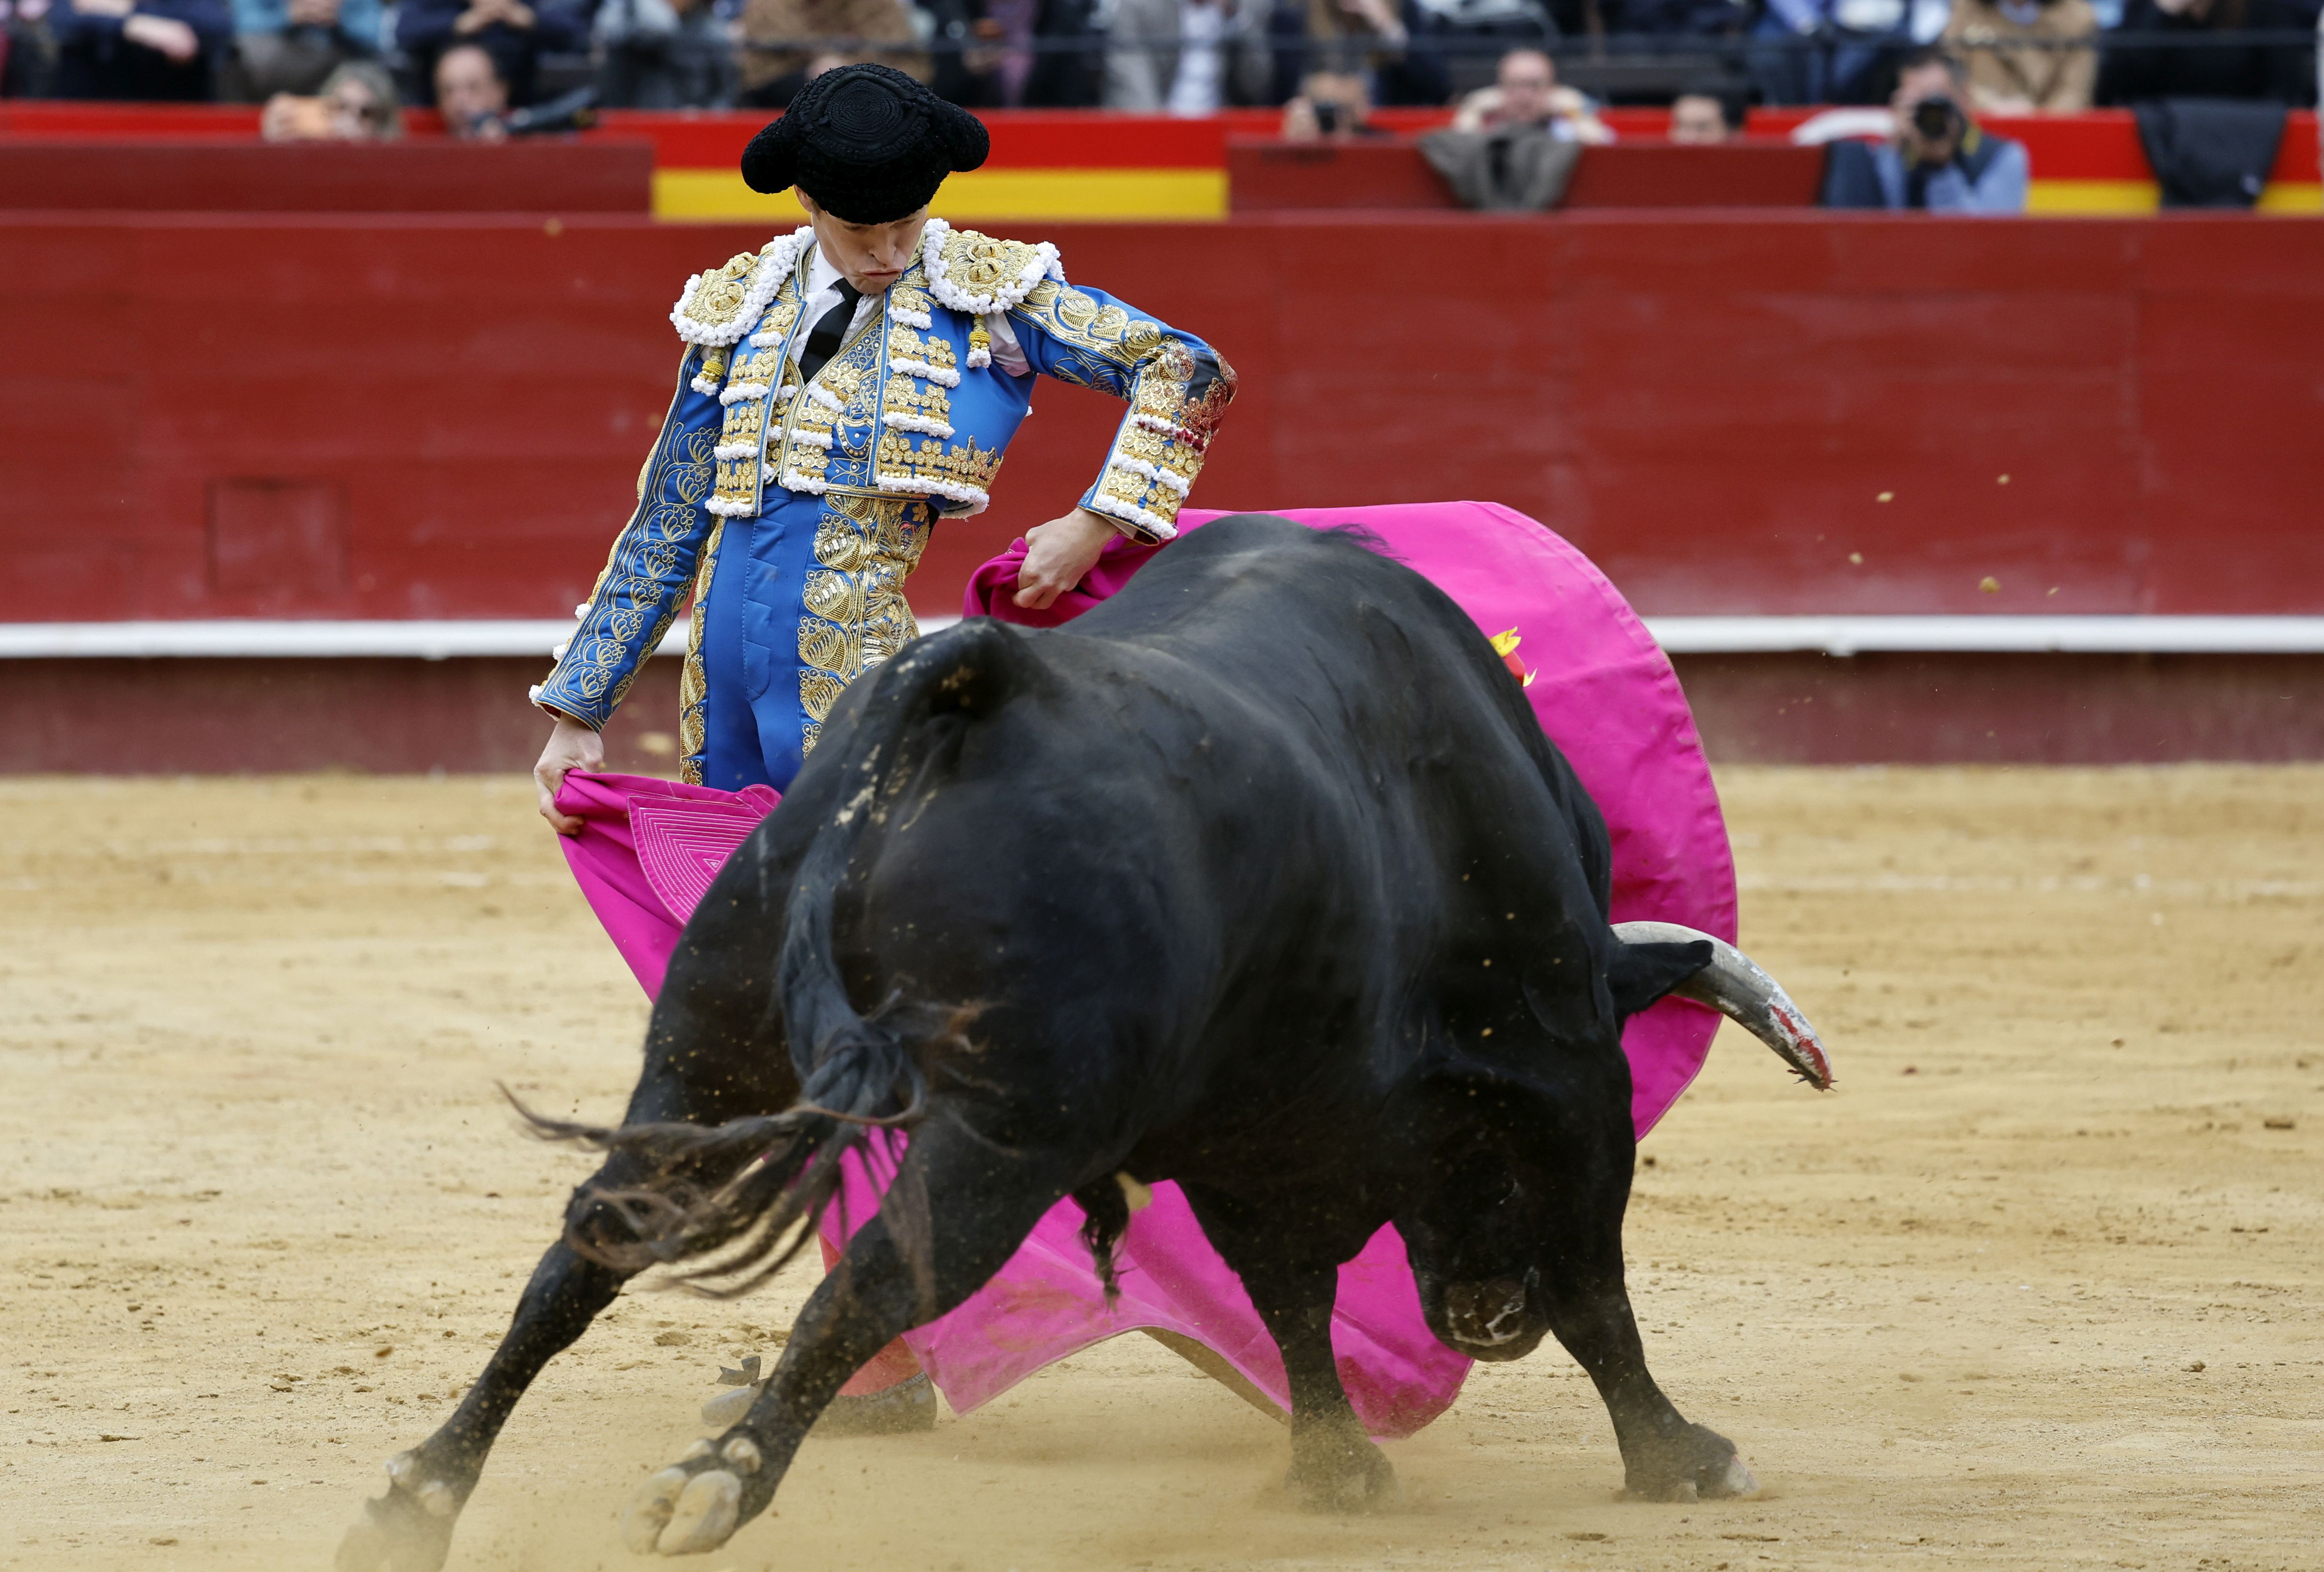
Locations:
{"points": [[1734, 986]]}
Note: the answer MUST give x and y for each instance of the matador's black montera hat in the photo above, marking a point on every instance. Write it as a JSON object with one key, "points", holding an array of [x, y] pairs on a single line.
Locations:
{"points": [[869, 143]]}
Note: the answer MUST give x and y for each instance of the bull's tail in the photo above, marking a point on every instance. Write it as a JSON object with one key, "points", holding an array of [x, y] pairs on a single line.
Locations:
{"points": [[1731, 982], [856, 1073], [763, 1180]]}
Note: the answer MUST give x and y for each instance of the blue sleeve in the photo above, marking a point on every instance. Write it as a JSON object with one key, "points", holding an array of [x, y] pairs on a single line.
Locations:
{"points": [[360, 21], [211, 20], [82, 29], [1177, 388], [650, 567], [2001, 186], [560, 28]]}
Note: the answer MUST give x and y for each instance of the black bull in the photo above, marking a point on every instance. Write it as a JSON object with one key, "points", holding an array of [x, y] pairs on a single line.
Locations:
{"points": [[1260, 877]]}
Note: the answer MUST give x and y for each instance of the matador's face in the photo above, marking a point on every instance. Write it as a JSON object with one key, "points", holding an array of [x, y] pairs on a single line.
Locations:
{"points": [[871, 256]]}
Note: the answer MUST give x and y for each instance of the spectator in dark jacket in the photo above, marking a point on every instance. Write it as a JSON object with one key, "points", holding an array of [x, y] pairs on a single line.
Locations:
{"points": [[664, 54], [1069, 72], [2201, 69], [515, 33], [969, 53], [139, 49], [28, 51], [1681, 18], [1421, 73]]}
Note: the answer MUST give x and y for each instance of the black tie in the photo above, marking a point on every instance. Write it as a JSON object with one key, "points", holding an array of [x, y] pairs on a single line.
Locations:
{"points": [[823, 342]]}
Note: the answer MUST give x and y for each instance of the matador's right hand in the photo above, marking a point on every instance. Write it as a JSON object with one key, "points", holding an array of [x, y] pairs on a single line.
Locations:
{"points": [[571, 746]]}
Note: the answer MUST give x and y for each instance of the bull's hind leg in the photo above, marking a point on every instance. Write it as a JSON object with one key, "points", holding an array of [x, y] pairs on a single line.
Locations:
{"points": [[1293, 1282], [959, 1207], [1664, 1457]]}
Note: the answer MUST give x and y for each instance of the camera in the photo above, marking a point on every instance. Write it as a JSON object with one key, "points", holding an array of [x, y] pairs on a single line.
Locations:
{"points": [[1939, 119], [573, 111]]}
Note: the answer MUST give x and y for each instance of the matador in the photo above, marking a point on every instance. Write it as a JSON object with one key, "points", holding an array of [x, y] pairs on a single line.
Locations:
{"points": [[841, 390]]}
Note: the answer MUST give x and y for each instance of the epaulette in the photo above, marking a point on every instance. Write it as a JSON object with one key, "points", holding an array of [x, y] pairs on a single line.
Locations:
{"points": [[714, 307], [981, 273]]}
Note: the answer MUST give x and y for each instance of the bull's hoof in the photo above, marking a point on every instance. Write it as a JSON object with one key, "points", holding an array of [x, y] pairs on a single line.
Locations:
{"points": [[1695, 1465], [909, 1405], [408, 1530], [1341, 1474], [697, 1503]]}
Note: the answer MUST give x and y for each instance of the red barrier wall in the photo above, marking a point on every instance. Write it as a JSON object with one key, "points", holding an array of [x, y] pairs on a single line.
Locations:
{"points": [[421, 416], [417, 176]]}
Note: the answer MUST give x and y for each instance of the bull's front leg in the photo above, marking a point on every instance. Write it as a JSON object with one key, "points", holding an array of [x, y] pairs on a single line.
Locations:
{"points": [[959, 1207], [410, 1528], [701, 1067], [1335, 1465], [1664, 1455]]}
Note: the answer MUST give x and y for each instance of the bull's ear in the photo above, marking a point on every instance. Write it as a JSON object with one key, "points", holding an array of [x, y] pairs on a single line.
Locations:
{"points": [[1637, 975]]}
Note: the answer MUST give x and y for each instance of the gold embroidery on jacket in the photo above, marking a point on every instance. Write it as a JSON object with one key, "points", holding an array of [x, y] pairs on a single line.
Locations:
{"points": [[850, 378], [715, 300], [748, 422], [980, 265], [855, 615], [693, 680], [926, 400]]}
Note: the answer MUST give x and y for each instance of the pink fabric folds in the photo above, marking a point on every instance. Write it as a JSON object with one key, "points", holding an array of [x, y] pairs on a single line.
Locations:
{"points": [[1046, 1305], [1602, 688], [647, 850]]}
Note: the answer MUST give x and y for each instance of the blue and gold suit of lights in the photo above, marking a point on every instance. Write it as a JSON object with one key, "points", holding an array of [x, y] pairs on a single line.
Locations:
{"points": [[793, 510]]}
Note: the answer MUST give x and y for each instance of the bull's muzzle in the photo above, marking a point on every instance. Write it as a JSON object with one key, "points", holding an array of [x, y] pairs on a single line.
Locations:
{"points": [[1486, 1314]]}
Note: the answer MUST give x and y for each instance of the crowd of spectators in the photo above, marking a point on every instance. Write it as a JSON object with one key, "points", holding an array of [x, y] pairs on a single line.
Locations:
{"points": [[1325, 61]]}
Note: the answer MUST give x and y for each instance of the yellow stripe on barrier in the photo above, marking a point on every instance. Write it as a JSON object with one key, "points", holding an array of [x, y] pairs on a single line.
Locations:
{"points": [[2105, 198], [2095, 197], [980, 195], [2292, 197]]}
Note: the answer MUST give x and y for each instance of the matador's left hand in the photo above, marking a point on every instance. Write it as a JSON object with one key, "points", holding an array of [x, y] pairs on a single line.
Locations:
{"points": [[1057, 554]]}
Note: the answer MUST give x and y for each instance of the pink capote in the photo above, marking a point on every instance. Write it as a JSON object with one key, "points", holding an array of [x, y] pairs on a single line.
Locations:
{"points": [[1603, 691]]}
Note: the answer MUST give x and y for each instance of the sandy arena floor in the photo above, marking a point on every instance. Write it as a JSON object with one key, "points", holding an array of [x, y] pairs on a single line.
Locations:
{"points": [[2034, 1287]]}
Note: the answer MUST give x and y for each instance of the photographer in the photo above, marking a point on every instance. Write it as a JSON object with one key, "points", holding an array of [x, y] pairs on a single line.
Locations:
{"points": [[1937, 159]]}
